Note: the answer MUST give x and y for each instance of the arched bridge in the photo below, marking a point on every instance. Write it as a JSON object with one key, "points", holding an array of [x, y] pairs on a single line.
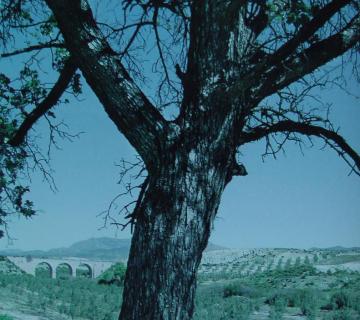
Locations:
{"points": [[30, 265]]}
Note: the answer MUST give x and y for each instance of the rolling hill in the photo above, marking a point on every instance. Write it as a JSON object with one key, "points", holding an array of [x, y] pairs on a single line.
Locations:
{"points": [[111, 249]]}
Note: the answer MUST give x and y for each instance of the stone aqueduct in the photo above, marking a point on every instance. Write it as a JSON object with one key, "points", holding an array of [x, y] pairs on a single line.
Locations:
{"points": [[29, 265]]}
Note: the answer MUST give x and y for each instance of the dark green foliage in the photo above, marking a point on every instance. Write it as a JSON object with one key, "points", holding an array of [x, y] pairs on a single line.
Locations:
{"points": [[12, 165], [43, 271], [287, 264], [83, 273], [239, 289], [210, 304], [316, 258], [308, 303], [278, 307], [294, 271], [344, 300], [288, 296], [291, 12], [63, 272], [341, 315], [75, 298], [5, 317], [114, 275], [341, 300], [297, 262]]}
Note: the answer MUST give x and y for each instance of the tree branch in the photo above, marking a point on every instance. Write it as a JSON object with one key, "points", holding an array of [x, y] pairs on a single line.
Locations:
{"points": [[257, 23], [307, 30], [309, 60], [127, 106], [289, 126], [52, 98], [36, 47]]}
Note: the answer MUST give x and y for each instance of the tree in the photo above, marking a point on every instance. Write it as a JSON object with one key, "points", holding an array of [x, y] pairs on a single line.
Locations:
{"points": [[234, 72]]}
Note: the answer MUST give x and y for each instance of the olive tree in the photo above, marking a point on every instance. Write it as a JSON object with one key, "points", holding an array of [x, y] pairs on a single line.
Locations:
{"points": [[224, 73]]}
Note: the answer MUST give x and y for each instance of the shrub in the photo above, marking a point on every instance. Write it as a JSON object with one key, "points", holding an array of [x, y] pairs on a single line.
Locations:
{"points": [[114, 275], [316, 258], [287, 264], [236, 308], [287, 296], [279, 304], [340, 315], [238, 289], [308, 303], [5, 317], [299, 270], [340, 300]]}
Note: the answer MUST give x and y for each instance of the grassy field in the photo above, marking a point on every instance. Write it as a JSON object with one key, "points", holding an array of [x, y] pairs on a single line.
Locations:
{"points": [[276, 284]]}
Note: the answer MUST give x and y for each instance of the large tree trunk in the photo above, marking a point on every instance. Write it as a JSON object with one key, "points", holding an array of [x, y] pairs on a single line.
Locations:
{"points": [[174, 220]]}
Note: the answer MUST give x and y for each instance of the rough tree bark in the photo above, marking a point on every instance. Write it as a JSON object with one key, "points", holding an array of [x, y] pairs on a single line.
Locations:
{"points": [[191, 160], [173, 225]]}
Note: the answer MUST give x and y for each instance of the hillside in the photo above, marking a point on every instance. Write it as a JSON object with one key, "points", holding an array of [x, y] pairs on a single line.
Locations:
{"points": [[110, 249]]}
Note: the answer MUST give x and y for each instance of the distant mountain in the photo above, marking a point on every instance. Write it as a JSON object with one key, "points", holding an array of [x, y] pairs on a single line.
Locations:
{"points": [[337, 249], [341, 249], [95, 248], [213, 247]]}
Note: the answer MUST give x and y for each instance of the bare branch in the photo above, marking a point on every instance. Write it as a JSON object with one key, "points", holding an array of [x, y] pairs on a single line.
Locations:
{"points": [[287, 126], [133, 171], [158, 44], [52, 98], [35, 47], [309, 60], [307, 30]]}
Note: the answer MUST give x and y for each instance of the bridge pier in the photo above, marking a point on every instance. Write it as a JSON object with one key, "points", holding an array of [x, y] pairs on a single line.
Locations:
{"points": [[29, 265]]}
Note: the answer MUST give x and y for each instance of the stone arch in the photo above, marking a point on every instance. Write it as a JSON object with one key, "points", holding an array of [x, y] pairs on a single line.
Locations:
{"points": [[43, 269], [63, 271], [83, 270]]}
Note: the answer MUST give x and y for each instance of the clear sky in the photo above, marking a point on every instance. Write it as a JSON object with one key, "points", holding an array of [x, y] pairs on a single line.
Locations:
{"points": [[294, 201]]}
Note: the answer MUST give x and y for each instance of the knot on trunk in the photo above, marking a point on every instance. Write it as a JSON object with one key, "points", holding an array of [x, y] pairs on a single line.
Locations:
{"points": [[239, 170], [236, 169]]}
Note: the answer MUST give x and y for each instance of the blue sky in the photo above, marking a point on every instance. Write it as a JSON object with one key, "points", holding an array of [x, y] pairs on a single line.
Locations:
{"points": [[294, 201]]}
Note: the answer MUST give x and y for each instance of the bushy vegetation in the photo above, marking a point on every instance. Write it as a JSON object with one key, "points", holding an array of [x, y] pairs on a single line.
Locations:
{"points": [[71, 297], [211, 304], [5, 317], [290, 288], [241, 290], [296, 287], [114, 275]]}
